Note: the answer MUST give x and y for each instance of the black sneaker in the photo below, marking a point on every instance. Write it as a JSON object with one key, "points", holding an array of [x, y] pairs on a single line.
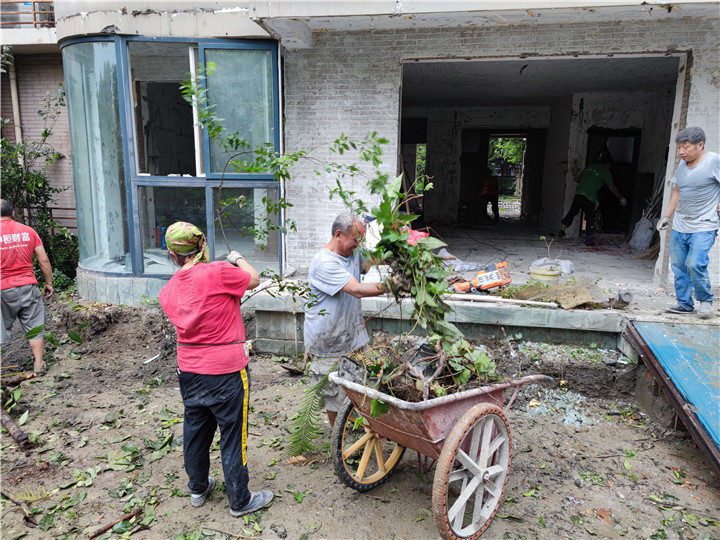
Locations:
{"points": [[679, 309], [561, 234], [258, 500]]}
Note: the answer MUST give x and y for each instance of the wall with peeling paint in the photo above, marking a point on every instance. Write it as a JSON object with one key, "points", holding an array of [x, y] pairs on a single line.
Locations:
{"points": [[643, 110], [351, 83]]}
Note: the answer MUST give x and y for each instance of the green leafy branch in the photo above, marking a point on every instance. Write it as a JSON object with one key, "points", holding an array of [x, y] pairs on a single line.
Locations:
{"points": [[305, 425]]}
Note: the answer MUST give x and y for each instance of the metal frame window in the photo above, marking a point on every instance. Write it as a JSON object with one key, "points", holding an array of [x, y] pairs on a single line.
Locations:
{"points": [[172, 170]]}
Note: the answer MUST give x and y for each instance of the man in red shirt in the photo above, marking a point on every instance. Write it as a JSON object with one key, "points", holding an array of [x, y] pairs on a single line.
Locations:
{"points": [[202, 300], [21, 298]]}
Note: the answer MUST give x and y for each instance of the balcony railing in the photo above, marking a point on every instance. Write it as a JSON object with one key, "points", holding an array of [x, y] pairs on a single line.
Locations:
{"points": [[37, 14]]}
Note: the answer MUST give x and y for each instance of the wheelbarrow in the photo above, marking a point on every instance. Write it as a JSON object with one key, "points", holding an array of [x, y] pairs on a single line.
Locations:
{"points": [[466, 432]]}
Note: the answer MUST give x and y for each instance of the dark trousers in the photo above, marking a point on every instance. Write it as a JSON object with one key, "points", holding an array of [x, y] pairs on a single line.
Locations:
{"points": [[581, 202], [493, 200], [211, 401]]}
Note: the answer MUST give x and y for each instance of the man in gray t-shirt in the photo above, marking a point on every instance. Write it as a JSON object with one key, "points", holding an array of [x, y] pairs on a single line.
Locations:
{"points": [[695, 203], [334, 325]]}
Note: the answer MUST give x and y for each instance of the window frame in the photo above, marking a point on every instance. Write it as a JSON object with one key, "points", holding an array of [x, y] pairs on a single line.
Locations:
{"points": [[248, 45], [210, 181]]}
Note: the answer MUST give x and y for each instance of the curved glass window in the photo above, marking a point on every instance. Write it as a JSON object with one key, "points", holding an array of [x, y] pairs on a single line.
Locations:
{"points": [[141, 162], [91, 84]]}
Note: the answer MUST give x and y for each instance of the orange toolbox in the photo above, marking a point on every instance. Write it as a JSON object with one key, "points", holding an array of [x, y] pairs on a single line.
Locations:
{"points": [[494, 275]]}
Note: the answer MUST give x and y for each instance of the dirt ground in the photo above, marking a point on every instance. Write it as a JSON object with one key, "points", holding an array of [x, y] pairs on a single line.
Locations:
{"points": [[106, 419]]}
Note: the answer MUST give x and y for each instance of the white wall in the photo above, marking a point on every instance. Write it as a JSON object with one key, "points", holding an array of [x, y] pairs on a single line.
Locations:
{"points": [[648, 111], [350, 83]]}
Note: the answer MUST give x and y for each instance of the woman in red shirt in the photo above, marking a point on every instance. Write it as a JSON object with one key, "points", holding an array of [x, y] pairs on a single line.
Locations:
{"points": [[202, 300]]}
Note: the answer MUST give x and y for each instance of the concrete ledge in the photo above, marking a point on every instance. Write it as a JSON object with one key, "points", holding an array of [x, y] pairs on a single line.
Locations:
{"points": [[279, 322], [119, 290]]}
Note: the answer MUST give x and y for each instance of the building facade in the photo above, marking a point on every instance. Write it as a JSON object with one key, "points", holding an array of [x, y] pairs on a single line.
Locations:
{"points": [[571, 78]]}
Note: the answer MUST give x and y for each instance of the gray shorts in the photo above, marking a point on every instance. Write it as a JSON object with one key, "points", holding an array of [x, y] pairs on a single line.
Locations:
{"points": [[24, 303], [333, 395]]}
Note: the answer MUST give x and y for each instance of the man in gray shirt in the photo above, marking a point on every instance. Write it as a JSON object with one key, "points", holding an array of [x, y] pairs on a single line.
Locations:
{"points": [[334, 324], [695, 202]]}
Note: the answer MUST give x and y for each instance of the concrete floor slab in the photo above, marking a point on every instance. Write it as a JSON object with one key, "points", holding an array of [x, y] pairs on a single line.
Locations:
{"points": [[614, 266]]}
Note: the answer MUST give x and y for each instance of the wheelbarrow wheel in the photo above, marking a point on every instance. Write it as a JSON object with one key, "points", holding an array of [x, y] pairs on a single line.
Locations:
{"points": [[361, 458], [471, 473]]}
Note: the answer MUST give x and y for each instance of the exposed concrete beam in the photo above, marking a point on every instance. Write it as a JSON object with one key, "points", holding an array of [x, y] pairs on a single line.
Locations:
{"points": [[227, 23], [31, 40], [392, 8], [292, 34]]}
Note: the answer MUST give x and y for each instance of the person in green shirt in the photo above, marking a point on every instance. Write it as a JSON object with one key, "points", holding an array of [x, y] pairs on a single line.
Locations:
{"points": [[591, 179]]}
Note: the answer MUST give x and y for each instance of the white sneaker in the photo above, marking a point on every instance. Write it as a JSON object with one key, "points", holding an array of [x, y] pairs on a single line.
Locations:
{"points": [[200, 498], [257, 501], [705, 309]]}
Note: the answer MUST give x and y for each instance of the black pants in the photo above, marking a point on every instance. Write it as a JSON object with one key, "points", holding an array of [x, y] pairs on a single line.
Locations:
{"points": [[581, 202], [493, 200], [211, 401]]}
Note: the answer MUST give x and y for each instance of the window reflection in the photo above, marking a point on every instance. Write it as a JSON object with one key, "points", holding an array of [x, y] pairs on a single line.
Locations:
{"points": [[245, 103], [96, 139], [242, 222], [160, 207]]}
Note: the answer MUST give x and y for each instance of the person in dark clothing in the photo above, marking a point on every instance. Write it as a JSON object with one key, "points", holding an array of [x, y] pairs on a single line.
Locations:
{"points": [[489, 194], [592, 178]]}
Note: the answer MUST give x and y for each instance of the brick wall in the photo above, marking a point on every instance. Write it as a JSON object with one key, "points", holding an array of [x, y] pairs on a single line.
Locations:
{"points": [[350, 83], [36, 76]]}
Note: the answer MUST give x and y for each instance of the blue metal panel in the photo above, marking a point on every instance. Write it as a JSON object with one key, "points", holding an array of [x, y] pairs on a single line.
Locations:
{"points": [[690, 357]]}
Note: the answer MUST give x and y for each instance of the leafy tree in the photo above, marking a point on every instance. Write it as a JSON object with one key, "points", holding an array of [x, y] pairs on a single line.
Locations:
{"points": [[504, 153], [420, 161]]}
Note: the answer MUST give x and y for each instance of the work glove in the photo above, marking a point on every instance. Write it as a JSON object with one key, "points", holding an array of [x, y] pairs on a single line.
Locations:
{"points": [[623, 202], [233, 257], [663, 224]]}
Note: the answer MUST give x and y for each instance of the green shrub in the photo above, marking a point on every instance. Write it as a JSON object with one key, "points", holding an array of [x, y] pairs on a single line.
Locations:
{"points": [[63, 252]]}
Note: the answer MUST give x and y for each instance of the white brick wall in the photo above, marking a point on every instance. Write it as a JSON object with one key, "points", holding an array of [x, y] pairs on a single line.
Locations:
{"points": [[350, 83]]}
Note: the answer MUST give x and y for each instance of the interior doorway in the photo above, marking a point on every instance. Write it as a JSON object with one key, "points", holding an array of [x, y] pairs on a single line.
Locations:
{"points": [[622, 147], [512, 160]]}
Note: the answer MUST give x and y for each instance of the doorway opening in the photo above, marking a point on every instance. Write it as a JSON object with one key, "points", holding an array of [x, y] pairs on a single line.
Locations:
{"points": [[506, 159], [503, 168], [622, 147]]}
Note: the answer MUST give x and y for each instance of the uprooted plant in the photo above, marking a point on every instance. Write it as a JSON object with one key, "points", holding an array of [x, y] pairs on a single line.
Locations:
{"points": [[448, 362], [416, 273], [420, 275]]}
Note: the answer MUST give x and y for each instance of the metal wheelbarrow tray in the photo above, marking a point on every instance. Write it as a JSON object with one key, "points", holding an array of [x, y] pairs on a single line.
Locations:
{"points": [[467, 432]]}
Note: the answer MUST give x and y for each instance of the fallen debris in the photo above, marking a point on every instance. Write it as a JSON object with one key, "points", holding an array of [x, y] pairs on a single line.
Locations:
{"points": [[21, 438], [28, 517], [15, 379], [583, 293], [111, 525], [498, 299]]}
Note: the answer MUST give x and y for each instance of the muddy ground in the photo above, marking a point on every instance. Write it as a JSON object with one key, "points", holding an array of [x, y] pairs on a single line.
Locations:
{"points": [[106, 420]]}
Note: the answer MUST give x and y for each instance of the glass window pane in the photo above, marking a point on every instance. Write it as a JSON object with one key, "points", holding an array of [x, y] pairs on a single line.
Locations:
{"points": [[96, 139], [241, 89], [164, 133], [160, 207], [242, 210]]}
